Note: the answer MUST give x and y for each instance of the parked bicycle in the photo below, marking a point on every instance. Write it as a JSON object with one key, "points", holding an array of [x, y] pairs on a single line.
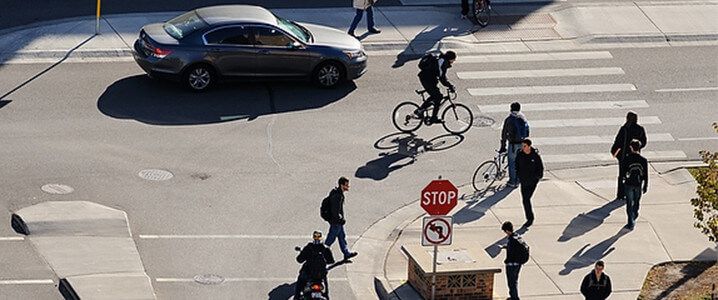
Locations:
{"points": [[456, 117], [490, 171], [481, 12]]}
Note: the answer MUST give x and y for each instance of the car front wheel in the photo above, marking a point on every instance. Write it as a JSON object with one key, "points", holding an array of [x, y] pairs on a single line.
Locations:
{"points": [[199, 77], [328, 74]]}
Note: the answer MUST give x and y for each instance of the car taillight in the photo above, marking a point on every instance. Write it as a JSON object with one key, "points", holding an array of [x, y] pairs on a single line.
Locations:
{"points": [[160, 53], [317, 287]]}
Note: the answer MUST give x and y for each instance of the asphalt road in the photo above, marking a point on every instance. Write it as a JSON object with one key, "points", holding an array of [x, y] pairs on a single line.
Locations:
{"points": [[253, 161]]}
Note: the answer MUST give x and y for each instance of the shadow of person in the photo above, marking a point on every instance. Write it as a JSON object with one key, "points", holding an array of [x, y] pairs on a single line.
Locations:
{"points": [[582, 259], [583, 223], [473, 211], [282, 292], [426, 41], [163, 103]]}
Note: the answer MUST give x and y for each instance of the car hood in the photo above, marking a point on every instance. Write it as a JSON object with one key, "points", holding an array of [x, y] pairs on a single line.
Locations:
{"points": [[158, 34], [327, 36]]}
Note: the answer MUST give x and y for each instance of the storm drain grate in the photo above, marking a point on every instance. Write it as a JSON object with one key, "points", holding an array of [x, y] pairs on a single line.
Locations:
{"points": [[208, 279], [57, 189], [155, 175]]}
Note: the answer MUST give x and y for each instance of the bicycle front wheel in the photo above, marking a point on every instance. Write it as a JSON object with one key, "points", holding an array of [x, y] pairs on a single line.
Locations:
{"points": [[485, 175], [404, 118], [482, 12], [457, 118]]}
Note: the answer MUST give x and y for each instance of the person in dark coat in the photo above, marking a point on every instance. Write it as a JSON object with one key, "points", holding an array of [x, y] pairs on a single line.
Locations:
{"points": [[529, 169], [336, 219], [513, 132], [513, 260], [596, 285], [433, 71], [635, 178], [628, 132], [314, 258]]}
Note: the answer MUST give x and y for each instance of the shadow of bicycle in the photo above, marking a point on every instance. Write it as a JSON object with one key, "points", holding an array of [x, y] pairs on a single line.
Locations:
{"points": [[403, 149]]}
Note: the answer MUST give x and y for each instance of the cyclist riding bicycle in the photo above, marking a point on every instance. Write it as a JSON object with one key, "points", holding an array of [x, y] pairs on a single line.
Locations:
{"points": [[433, 70]]}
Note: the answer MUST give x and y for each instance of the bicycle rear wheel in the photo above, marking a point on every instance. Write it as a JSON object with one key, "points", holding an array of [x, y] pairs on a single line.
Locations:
{"points": [[457, 118], [484, 176], [404, 118], [482, 12]]}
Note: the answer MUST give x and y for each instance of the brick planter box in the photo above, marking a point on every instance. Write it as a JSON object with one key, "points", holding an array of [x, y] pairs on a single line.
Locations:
{"points": [[461, 273]]}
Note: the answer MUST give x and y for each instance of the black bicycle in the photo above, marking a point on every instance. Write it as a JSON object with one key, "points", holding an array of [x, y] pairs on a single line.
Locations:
{"points": [[456, 117], [481, 12]]}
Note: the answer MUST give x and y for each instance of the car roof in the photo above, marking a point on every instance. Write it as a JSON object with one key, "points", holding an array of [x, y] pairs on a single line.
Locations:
{"points": [[214, 15]]}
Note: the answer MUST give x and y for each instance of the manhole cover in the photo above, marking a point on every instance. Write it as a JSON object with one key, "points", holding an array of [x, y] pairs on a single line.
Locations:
{"points": [[155, 175], [57, 189], [208, 279]]}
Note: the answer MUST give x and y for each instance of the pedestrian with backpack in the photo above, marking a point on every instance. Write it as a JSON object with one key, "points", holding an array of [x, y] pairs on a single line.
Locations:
{"points": [[628, 132], [596, 285], [513, 132], [517, 254], [361, 6], [635, 178], [332, 211], [529, 169]]}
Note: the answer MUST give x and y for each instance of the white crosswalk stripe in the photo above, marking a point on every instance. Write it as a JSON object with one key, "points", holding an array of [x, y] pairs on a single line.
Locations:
{"points": [[551, 128], [554, 56], [554, 106], [540, 73], [553, 89]]}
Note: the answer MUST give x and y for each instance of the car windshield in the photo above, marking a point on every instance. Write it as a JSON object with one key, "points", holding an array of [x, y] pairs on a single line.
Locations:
{"points": [[294, 29], [184, 25]]}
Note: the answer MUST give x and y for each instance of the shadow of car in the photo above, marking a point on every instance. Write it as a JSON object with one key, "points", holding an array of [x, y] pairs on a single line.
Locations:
{"points": [[209, 44]]}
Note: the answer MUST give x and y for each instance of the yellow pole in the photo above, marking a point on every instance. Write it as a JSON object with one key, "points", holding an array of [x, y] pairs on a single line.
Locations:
{"points": [[97, 19]]}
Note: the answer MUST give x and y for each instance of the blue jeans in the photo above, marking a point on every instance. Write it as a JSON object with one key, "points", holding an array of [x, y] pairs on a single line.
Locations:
{"points": [[513, 152], [633, 198], [357, 18], [512, 278], [337, 231]]}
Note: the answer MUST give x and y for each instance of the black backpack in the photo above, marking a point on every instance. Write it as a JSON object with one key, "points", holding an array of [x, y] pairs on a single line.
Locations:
{"points": [[634, 175], [425, 63], [523, 250], [325, 209]]}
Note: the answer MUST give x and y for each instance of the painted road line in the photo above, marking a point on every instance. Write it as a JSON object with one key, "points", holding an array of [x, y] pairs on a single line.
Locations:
{"points": [[270, 279], [26, 281], [552, 106], [594, 139], [12, 238], [602, 157], [454, 2], [540, 73], [699, 138], [553, 89], [644, 120], [699, 89], [230, 236], [535, 57]]}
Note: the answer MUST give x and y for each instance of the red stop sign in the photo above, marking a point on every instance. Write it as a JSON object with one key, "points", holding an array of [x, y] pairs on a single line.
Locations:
{"points": [[439, 197]]}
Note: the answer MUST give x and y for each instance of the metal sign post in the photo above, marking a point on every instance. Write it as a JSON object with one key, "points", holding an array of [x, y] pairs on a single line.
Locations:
{"points": [[437, 230], [433, 276]]}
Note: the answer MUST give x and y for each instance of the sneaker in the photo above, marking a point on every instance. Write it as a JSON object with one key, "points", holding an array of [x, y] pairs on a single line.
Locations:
{"points": [[351, 254], [512, 185], [463, 17], [435, 120], [374, 30], [419, 113]]}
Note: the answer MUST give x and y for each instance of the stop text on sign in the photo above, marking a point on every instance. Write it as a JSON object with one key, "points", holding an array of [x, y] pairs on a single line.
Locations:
{"points": [[437, 197]]}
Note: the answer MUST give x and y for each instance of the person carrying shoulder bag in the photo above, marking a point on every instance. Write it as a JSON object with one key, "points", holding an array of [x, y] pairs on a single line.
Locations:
{"points": [[361, 6]]}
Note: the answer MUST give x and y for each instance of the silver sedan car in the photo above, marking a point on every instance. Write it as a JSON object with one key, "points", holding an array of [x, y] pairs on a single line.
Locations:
{"points": [[210, 44]]}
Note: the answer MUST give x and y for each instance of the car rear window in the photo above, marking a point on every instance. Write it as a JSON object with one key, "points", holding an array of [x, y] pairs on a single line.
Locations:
{"points": [[185, 25]]}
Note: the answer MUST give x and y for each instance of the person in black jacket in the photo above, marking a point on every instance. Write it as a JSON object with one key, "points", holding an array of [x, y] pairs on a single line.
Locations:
{"points": [[433, 70], [336, 219], [628, 132], [513, 132], [635, 177], [596, 285], [314, 258], [512, 261], [529, 169]]}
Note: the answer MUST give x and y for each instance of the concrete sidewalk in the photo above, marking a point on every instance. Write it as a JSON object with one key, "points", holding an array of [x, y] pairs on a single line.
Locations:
{"points": [[412, 29], [577, 222]]}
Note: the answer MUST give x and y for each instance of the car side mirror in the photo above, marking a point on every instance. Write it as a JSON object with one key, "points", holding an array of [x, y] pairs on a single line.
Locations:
{"points": [[294, 45]]}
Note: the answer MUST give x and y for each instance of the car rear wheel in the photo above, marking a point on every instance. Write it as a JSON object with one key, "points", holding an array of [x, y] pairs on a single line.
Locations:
{"points": [[328, 74], [199, 77]]}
